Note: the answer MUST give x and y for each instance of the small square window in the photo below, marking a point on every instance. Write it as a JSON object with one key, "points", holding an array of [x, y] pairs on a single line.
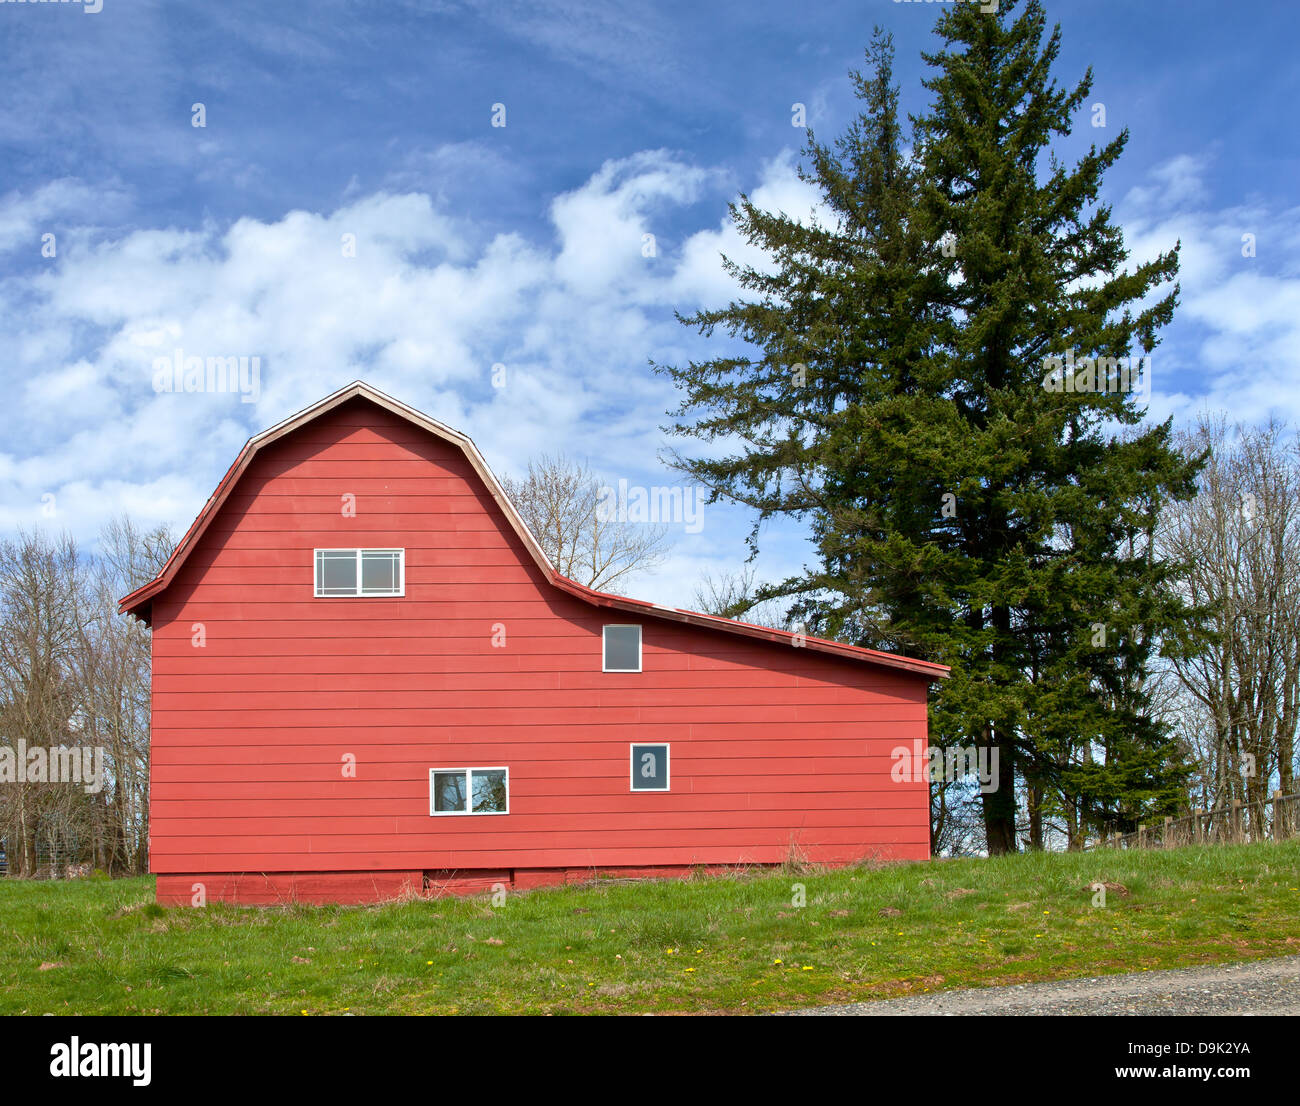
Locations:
{"points": [[469, 791], [622, 649], [649, 767]]}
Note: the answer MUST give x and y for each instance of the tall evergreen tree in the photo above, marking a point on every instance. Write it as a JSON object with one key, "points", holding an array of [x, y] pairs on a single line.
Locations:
{"points": [[966, 506]]}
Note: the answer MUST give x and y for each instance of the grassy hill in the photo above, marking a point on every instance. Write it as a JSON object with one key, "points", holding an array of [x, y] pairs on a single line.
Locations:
{"points": [[735, 944]]}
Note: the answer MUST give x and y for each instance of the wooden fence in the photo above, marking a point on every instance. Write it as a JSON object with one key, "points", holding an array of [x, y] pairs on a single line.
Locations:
{"points": [[1230, 825]]}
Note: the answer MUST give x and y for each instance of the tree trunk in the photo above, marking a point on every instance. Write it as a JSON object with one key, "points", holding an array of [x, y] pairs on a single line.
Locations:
{"points": [[1000, 803], [938, 814], [1035, 804], [29, 844]]}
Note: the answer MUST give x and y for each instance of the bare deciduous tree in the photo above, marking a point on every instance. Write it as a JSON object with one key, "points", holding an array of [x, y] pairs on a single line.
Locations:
{"points": [[75, 674], [115, 676], [1239, 671], [40, 612], [561, 502], [734, 595]]}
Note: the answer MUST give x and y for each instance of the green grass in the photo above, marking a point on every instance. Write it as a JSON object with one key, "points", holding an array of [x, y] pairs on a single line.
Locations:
{"points": [[721, 944]]}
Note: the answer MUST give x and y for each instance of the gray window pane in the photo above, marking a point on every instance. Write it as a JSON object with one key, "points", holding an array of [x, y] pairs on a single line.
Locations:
{"points": [[489, 792], [336, 573], [379, 572], [649, 767], [622, 648], [449, 791]]}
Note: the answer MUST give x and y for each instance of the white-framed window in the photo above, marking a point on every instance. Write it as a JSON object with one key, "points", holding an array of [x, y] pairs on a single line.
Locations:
{"points": [[649, 766], [622, 649], [360, 572], [469, 791]]}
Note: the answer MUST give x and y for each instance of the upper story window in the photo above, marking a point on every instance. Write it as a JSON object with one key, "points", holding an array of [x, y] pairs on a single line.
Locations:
{"points": [[622, 649], [360, 572]]}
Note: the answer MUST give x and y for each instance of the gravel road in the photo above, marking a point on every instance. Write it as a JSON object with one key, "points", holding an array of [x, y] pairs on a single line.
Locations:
{"points": [[1254, 987]]}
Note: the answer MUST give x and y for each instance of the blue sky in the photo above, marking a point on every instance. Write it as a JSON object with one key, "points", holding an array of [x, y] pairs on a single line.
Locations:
{"points": [[522, 245]]}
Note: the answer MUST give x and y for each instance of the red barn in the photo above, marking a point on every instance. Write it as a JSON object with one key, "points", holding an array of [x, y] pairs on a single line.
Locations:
{"points": [[368, 679]]}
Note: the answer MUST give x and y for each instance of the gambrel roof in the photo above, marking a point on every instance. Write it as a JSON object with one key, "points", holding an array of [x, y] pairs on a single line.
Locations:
{"points": [[139, 602]]}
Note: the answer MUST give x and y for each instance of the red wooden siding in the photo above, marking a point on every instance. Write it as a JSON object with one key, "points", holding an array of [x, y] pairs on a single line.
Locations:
{"points": [[774, 749]]}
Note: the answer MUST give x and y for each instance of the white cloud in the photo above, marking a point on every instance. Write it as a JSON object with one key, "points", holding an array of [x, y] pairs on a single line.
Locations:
{"points": [[1176, 183], [700, 278], [50, 209], [1235, 343], [602, 225]]}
